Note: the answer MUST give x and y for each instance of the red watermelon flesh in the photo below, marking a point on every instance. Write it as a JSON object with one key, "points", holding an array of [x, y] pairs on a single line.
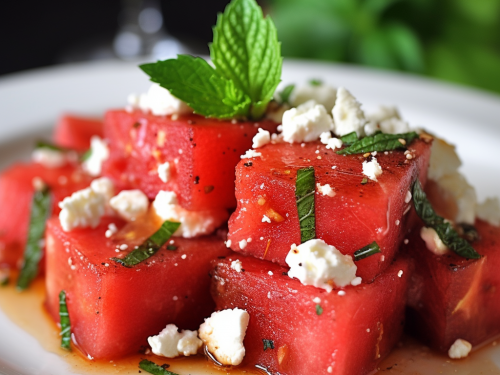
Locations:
{"points": [[203, 153], [75, 132], [16, 193], [455, 298], [113, 309], [351, 334], [356, 216]]}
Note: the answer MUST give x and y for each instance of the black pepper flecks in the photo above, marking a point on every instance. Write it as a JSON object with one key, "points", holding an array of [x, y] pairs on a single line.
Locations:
{"points": [[196, 180]]}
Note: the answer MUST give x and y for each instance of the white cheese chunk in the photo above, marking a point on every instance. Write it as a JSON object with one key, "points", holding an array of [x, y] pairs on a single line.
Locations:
{"points": [[459, 349], [262, 138], [251, 154], [334, 143], [103, 186], [305, 123], [130, 204], [325, 189], [489, 211], [444, 160], [316, 263], [432, 241], [464, 194], [325, 137], [223, 334], [49, 158], [171, 343], [322, 94], [164, 171], [99, 153], [193, 223], [372, 169], [347, 114], [237, 265], [83, 208], [161, 102], [387, 120]]}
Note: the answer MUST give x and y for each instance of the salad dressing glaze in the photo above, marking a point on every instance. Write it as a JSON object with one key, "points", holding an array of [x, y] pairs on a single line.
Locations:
{"points": [[410, 357]]}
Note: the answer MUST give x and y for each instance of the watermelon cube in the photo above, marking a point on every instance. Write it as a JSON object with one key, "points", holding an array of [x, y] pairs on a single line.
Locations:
{"points": [[296, 329], [357, 212], [202, 154], [16, 192], [113, 309], [75, 132], [454, 298]]}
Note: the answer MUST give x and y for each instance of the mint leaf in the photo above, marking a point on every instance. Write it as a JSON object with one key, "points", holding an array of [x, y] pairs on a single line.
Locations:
{"points": [[315, 82], [268, 344], [154, 369], [349, 139], [194, 81], [443, 228], [150, 246], [379, 142], [366, 251], [284, 95], [246, 51], [305, 187], [50, 146], [65, 322], [41, 209], [319, 310]]}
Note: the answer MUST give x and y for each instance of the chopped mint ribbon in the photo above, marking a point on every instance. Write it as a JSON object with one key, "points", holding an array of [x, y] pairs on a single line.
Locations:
{"points": [[149, 247], [154, 369], [366, 251], [379, 142], [305, 187], [65, 322]]}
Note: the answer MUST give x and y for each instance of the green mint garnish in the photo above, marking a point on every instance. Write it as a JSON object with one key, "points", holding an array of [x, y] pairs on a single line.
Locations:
{"points": [[315, 82], [305, 187], [319, 310], [366, 251], [172, 247], [41, 209], [443, 228], [50, 146], [379, 142], [364, 181], [268, 344], [149, 247], [247, 59], [349, 139], [86, 155], [154, 369], [284, 95], [65, 322]]}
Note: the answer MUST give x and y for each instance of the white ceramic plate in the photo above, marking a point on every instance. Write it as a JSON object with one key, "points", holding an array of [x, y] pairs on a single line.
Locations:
{"points": [[31, 102]]}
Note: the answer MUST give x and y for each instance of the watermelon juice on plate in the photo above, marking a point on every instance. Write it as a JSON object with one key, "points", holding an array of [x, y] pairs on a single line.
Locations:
{"points": [[344, 218]]}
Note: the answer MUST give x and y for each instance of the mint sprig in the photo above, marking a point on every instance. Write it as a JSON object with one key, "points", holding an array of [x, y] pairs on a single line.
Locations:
{"points": [[247, 59], [379, 142], [246, 50]]}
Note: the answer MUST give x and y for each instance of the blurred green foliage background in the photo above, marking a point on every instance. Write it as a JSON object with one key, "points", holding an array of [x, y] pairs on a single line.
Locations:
{"points": [[454, 40]]}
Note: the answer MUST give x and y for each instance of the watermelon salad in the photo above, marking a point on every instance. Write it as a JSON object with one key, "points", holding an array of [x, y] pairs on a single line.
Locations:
{"points": [[267, 226]]}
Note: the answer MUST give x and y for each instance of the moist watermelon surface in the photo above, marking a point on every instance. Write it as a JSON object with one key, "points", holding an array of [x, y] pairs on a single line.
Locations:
{"points": [[358, 214], [113, 309], [455, 298], [75, 132], [202, 154], [346, 333], [16, 193]]}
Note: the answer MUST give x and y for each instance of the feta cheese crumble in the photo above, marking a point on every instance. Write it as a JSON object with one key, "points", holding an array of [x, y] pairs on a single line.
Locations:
{"points": [[243, 244], [223, 334], [322, 94], [334, 143], [99, 153], [48, 158], [489, 211], [262, 138], [316, 263], [432, 241], [372, 169], [265, 219], [251, 154], [347, 114], [305, 123], [387, 120], [130, 204], [164, 171], [237, 265], [459, 349], [82, 209], [193, 223], [171, 343], [325, 189], [159, 101]]}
